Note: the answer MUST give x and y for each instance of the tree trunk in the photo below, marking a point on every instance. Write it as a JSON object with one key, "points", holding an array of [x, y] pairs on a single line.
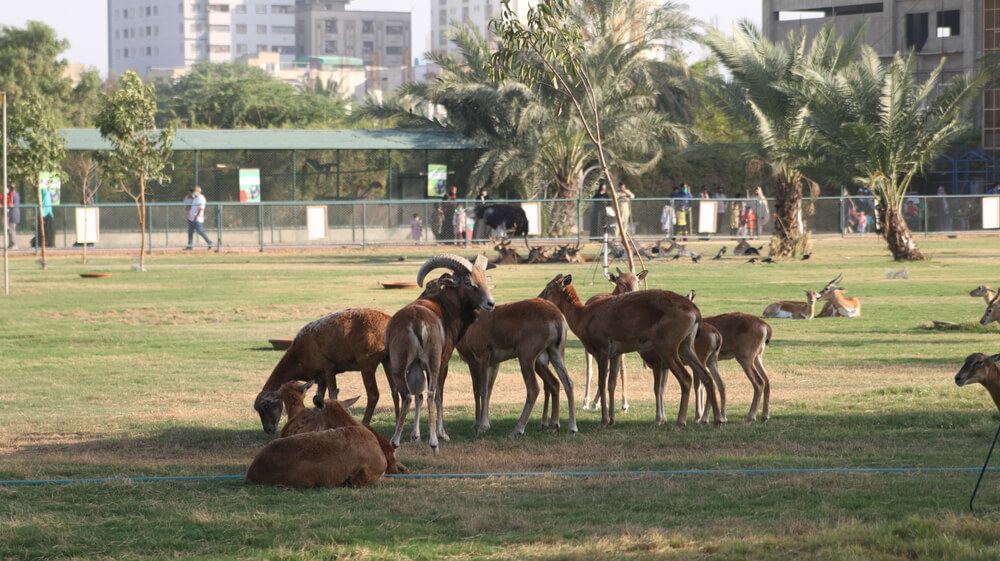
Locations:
{"points": [[788, 212], [562, 221], [40, 238], [142, 224], [898, 236]]}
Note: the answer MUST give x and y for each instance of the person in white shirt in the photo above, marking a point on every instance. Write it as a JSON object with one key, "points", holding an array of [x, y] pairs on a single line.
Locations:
{"points": [[194, 206]]}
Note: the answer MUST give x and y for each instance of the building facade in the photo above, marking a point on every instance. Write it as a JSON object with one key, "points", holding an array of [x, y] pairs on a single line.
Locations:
{"points": [[475, 13], [324, 28], [960, 31], [150, 36]]}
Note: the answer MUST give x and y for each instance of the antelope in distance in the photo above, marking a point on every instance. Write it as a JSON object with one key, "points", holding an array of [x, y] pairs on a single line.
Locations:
{"points": [[838, 305], [787, 309]]}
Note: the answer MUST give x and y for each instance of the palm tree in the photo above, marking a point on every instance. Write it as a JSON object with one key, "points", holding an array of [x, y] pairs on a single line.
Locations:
{"points": [[767, 90], [888, 129]]}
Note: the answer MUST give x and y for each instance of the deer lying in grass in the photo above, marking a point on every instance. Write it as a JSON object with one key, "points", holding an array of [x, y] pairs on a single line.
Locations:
{"points": [[658, 321], [349, 456], [982, 369], [624, 282], [787, 309], [838, 305], [984, 292], [302, 419], [347, 340], [422, 335], [992, 312], [534, 332]]}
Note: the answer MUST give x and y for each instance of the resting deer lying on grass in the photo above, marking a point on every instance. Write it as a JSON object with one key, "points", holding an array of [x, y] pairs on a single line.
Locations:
{"points": [[982, 369], [788, 309], [349, 456], [838, 305]]}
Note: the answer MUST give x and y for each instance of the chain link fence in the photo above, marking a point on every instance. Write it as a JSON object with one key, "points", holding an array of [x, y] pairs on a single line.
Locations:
{"points": [[384, 222]]}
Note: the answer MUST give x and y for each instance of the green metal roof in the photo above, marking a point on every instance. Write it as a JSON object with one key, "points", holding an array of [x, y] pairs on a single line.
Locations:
{"points": [[336, 61], [291, 139]]}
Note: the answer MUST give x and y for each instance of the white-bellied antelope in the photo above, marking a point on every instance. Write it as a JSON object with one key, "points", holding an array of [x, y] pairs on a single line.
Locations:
{"points": [[788, 309]]}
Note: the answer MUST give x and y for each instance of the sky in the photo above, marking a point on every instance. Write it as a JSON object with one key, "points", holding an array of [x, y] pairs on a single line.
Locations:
{"points": [[84, 22]]}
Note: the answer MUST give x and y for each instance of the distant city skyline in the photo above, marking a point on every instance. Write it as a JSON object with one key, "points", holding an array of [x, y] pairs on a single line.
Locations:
{"points": [[85, 24]]}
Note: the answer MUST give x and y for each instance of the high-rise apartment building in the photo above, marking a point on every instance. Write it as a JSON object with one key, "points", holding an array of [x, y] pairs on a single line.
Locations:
{"points": [[381, 39], [960, 31], [477, 13], [145, 35]]}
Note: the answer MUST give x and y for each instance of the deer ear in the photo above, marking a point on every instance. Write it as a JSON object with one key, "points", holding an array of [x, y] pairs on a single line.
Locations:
{"points": [[643, 274], [349, 402], [567, 280]]}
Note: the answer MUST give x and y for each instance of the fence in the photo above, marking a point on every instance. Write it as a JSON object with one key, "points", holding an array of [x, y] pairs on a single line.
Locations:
{"points": [[363, 223]]}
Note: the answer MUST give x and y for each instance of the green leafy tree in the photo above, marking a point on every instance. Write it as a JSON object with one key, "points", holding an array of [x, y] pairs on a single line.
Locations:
{"points": [[141, 154], [233, 95], [31, 67], [34, 146], [887, 129], [767, 90]]}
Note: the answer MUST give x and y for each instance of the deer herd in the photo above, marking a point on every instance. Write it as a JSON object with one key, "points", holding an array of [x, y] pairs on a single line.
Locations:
{"points": [[457, 312]]}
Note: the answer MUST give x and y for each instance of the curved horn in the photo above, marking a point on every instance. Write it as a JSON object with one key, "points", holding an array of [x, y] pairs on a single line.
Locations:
{"points": [[994, 300], [456, 263], [836, 280]]}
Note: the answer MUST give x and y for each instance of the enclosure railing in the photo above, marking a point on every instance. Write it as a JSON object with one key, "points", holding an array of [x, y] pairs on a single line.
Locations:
{"points": [[554, 221]]}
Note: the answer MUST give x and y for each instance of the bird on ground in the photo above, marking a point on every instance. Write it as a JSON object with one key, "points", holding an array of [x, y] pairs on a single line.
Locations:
{"points": [[752, 260], [807, 256], [695, 258], [767, 260], [721, 253]]}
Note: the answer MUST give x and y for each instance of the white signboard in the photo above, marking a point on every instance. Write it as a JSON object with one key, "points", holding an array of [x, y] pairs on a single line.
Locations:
{"points": [[316, 222], [88, 224], [706, 216], [534, 213], [991, 213]]}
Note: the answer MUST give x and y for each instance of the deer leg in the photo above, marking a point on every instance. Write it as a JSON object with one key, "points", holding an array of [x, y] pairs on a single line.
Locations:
{"points": [[477, 396], [587, 404], [685, 380], [615, 364], [371, 391], [713, 369], [602, 387], [699, 400], [556, 359], [658, 392], [490, 371], [689, 357], [439, 403], [531, 385], [766, 383], [624, 387], [550, 387], [758, 386]]}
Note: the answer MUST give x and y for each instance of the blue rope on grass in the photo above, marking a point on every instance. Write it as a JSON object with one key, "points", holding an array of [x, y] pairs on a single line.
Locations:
{"points": [[779, 471]]}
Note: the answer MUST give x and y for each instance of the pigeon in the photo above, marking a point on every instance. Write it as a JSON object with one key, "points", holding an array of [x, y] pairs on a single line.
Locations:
{"points": [[807, 256], [721, 253], [752, 260], [695, 258], [767, 260]]}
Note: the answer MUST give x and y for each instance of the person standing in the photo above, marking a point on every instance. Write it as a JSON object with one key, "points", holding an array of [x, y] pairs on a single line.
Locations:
{"points": [[194, 203], [479, 229], [625, 206], [942, 211], [720, 208], [599, 211], [667, 220], [416, 228], [458, 224], [762, 212], [47, 228], [13, 216]]}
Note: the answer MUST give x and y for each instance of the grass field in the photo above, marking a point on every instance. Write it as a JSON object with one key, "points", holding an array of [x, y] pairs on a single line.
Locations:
{"points": [[153, 374]]}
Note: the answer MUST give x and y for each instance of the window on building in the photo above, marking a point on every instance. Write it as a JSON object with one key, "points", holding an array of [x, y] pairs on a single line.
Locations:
{"points": [[124, 14], [442, 18], [218, 7], [331, 26], [156, 31], [283, 49], [442, 38], [149, 51], [125, 53], [916, 30], [118, 34], [367, 47], [195, 8], [261, 8], [261, 29], [240, 8], [283, 29], [282, 9], [241, 48], [149, 31], [394, 51], [219, 28], [241, 29], [261, 48], [368, 26], [948, 23], [394, 30], [149, 11], [156, 10], [330, 47], [219, 49], [197, 27], [180, 9], [141, 33]]}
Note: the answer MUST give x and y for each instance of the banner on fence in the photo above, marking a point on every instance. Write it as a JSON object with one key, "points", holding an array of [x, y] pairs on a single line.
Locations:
{"points": [[534, 213], [707, 216], [51, 182], [316, 222], [437, 180], [250, 185], [88, 224], [991, 213]]}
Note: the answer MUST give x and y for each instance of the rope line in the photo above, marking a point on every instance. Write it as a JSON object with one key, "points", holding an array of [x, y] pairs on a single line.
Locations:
{"points": [[765, 471]]}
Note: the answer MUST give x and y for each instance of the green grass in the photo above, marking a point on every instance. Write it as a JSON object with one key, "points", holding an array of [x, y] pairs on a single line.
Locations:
{"points": [[154, 374]]}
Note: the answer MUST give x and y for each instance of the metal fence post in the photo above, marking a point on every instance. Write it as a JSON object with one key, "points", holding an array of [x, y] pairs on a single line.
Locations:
{"points": [[149, 229], [364, 225], [218, 227], [260, 226]]}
